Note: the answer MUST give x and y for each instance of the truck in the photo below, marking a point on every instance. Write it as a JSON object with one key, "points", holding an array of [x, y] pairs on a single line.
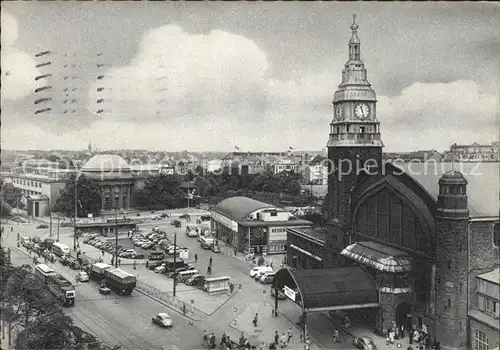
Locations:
{"points": [[121, 282], [96, 271], [171, 266]]}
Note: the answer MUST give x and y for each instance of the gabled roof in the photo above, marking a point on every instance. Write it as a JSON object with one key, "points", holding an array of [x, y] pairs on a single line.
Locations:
{"points": [[483, 186], [238, 208]]}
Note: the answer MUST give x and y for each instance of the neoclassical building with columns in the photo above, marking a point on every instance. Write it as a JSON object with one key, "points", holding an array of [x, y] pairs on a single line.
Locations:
{"points": [[115, 178]]}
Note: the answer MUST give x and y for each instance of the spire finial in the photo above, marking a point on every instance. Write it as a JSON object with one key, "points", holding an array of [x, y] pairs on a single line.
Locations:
{"points": [[354, 26]]}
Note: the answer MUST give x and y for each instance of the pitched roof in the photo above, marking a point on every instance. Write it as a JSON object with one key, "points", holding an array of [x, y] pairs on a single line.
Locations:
{"points": [[238, 208], [483, 179]]}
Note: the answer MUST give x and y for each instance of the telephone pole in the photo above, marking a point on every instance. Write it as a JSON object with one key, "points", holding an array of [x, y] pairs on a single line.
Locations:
{"points": [[175, 261], [116, 238]]}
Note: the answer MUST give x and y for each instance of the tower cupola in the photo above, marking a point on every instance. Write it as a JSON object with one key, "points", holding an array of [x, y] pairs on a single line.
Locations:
{"points": [[452, 198]]}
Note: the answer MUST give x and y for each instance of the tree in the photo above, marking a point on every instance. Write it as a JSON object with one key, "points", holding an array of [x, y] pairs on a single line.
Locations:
{"points": [[89, 197], [160, 192], [28, 303], [12, 195], [5, 208]]}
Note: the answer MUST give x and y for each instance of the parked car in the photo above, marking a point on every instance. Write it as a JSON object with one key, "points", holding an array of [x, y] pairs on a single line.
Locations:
{"points": [[364, 343], [196, 280], [163, 320], [43, 226], [176, 223], [82, 276]]}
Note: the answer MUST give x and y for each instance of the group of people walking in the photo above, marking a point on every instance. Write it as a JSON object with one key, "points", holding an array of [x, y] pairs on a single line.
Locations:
{"points": [[418, 339]]}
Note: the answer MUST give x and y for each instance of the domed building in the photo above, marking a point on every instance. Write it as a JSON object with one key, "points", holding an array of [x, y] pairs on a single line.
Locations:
{"points": [[115, 178]]}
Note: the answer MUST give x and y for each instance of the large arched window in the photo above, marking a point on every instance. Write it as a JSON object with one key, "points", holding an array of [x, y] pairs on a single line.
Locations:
{"points": [[480, 340]]}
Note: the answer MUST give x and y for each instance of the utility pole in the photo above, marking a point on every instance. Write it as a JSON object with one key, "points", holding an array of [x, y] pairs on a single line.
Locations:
{"points": [[74, 219], [116, 238], [50, 220], [58, 219], [175, 260]]}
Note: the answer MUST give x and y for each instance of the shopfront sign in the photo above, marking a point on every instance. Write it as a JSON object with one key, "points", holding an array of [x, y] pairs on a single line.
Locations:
{"points": [[290, 293], [224, 220], [277, 239]]}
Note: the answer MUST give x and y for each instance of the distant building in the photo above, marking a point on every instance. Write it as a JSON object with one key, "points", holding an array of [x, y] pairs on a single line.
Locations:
{"points": [[475, 152], [41, 182], [317, 171], [282, 165]]}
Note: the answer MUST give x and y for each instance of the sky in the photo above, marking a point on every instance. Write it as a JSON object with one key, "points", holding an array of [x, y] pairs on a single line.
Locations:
{"points": [[209, 76]]}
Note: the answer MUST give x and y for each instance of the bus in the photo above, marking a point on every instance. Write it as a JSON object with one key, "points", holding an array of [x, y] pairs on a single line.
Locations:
{"points": [[60, 249], [155, 259], [43, 272]]}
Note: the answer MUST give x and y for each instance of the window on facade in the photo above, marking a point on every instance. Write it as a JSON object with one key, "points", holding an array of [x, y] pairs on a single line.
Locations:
{"points": [[361, 129], [496, 235], [347, 128], [449, 303], [480, 340]]}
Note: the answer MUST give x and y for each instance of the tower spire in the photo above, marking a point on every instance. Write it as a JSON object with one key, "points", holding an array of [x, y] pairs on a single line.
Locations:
{"points": [[354, 43]]}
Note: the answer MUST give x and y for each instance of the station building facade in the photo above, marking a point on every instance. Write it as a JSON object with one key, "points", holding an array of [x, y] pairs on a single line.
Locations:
{"points": [[252, 226], [427, 234]]}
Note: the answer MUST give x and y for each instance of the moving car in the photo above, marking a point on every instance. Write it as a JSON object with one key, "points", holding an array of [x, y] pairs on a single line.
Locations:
{"points": [[266, 278], [176, 223], [215, 248], [162, 320], [104, 290], [43, 226], [260, 269], [364, 343], [82, 276]]}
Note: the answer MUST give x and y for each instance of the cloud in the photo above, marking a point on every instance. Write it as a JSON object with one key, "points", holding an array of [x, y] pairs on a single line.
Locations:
{"points": [[18, 68], [438, 114], [177, 75]]}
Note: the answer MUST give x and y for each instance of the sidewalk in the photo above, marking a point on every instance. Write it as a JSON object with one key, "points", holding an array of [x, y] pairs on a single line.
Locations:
{"points": [[363, 331]]}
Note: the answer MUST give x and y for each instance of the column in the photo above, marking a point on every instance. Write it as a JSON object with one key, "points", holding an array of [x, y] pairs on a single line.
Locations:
{"points": [[120, 197], [103, 202]]}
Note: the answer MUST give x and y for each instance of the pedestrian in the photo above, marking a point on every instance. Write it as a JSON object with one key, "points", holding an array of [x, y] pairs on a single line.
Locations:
{"points": [[307, 345], [133, 265], [235, 252], [12, 228], [409, 347], [120, 262], [402, 330], [283, 340], [231, 287], [276, 337], [255, 320], [102, 251], [410, 336], [290, 336], [196, 258], [210, 261], [335, 336], [184, 309]]}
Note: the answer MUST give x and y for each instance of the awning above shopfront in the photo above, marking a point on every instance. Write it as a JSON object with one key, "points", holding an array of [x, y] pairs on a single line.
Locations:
{"points": [[330, 289], [378, 256]]}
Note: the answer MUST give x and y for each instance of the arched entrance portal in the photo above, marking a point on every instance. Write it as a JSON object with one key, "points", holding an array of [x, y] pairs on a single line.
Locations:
{"points": [[404, 315]]}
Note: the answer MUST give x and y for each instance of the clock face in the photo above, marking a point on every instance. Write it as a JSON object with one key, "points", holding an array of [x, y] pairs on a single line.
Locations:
{"points": [[338, 112], [362, 110]]}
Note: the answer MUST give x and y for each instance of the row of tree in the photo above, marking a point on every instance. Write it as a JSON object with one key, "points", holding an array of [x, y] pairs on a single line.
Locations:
{"points": [[164, 191], [29, 306]]}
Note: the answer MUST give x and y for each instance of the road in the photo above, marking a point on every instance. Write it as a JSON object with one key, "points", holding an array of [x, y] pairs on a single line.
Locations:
{"points": [[127, 320], [120, 319]]}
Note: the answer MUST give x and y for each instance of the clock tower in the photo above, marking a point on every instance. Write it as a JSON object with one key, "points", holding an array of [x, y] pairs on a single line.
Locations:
{"points": [[354, 142]]}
